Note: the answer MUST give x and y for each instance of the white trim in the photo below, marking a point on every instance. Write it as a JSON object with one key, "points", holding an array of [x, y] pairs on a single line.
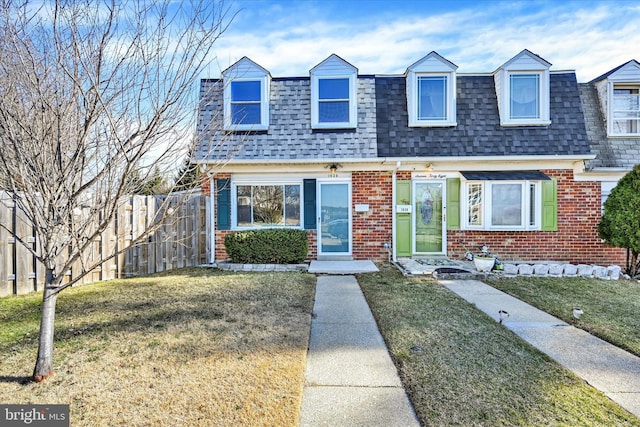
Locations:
{"points": [[246, 181], [611, 86], [353, 104], [487, 206], [413, 99], [319, 184], [505, 99], [264, 105], [211, 219], [390, 162]]}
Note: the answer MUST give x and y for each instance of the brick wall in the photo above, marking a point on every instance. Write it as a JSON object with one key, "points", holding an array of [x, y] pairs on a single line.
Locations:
{"points": [[575, 241], [373, 228]]}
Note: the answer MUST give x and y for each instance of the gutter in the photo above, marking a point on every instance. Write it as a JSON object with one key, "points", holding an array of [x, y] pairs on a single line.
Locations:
{"points": [[391, 161]]}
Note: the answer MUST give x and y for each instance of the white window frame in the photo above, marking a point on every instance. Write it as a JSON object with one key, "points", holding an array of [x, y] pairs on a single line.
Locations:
{"points": [[611, 129], [486, 210], [543, 118], [352, 122], [264, 105], [413, 100], [257, 182]]}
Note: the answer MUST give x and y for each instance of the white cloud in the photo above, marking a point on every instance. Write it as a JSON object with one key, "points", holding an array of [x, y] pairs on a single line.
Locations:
{"points": [[590, 37]]}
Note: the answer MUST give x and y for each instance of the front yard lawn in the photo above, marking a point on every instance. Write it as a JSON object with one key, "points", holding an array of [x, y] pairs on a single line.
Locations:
{"points": [[460, 367], [611, 308], [193, 347]]}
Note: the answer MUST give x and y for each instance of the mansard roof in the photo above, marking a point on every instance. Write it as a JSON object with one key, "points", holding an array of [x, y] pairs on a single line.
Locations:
{"points": [[478, 131]]}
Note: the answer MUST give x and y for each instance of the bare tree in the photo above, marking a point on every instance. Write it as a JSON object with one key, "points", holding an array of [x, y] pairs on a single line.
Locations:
{"points": [[90, 92]]}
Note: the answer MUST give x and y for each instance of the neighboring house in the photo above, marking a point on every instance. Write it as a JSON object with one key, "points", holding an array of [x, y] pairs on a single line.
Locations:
{"points": [[612, 110], [418, 164]]}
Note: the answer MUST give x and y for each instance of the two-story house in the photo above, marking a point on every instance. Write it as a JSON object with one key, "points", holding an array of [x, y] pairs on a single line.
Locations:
{"points": [[409, 165]]}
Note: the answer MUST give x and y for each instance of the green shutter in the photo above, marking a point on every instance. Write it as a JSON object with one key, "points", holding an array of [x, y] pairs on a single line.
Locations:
{"points": [[550, 205], [309, 189], [403, 220], [453, 203], [223, 191]]}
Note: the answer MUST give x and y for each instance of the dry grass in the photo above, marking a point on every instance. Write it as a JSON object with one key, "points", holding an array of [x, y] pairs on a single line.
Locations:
{"points": [[194, 347], [460, 367]]}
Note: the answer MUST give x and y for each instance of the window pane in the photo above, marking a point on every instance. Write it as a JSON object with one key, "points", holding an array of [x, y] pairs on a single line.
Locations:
{"points": [[333, 89], [245, 114], [268, 208], [475, 204], [532, 205], [243, 204], [332, 112], [506, 204], [626, 105], [525, 91], [292, 205], [432, 99], [245, 91]]}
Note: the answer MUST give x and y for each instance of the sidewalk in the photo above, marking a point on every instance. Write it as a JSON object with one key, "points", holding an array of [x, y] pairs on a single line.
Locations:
{"points": [[350, 379], [609, 369]]}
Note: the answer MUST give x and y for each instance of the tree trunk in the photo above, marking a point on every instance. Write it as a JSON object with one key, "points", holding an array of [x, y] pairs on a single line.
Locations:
{"points": [[44, 362]]}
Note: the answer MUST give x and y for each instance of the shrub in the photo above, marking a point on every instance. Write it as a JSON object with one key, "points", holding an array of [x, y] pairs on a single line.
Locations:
{"points": [[267, 246], [620, 225]]}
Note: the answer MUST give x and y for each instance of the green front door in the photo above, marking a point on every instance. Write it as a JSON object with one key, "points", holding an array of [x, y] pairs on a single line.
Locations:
{"points": [[428, 219]]}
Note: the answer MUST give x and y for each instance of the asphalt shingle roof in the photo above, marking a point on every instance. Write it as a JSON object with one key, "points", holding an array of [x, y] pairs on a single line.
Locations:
{"points": [[478, 131]]}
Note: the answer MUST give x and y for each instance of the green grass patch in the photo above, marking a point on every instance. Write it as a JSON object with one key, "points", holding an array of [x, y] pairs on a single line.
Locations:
{"points": [[460, 367], [611, 308], [187, 347]]}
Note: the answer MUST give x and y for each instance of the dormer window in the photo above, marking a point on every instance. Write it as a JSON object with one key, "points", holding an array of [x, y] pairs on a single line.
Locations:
{"points": [[619, 93], [246, 102], [246, 96], [431, 92], [334, 89], [626, 110], [524, 96], [333, 100], [432, 97], [522, 89]]}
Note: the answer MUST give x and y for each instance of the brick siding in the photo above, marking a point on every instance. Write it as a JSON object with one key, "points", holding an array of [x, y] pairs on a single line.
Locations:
{"points": [[371, 229], [576, 239]]}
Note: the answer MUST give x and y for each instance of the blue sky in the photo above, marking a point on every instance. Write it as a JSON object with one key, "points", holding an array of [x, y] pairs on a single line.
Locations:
{"points": [[289, 37]]}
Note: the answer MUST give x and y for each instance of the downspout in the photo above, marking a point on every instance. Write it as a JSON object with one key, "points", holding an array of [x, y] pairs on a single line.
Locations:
{"points": [[212, 219], [393, 211]]}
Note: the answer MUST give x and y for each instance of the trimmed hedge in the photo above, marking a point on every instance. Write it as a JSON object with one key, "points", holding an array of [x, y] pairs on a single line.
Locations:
{"points": [[267, 246]]}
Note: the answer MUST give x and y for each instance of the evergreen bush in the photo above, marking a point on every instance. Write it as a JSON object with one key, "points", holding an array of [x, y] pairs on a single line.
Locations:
{"points": [[267, 246]]}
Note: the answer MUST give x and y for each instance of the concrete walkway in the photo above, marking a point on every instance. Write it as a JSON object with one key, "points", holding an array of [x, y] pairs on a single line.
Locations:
{"points": [[350, 379], [604, 366]]}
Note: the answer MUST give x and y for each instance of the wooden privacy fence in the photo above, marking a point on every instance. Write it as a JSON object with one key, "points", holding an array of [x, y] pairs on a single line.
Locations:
{"points": [[180, 241]]}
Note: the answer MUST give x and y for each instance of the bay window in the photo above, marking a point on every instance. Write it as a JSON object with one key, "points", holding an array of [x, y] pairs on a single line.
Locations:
{"points": [[502, 205]]}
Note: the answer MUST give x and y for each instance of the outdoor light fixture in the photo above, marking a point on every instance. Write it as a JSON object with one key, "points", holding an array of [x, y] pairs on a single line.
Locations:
{"points": [[429, 167], [333, 167]]}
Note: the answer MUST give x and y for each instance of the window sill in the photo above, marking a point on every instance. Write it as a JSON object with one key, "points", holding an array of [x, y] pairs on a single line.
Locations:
{"points": [[334, 125], [245, 128], [527, 123], [623, 135], [432, 124]]}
